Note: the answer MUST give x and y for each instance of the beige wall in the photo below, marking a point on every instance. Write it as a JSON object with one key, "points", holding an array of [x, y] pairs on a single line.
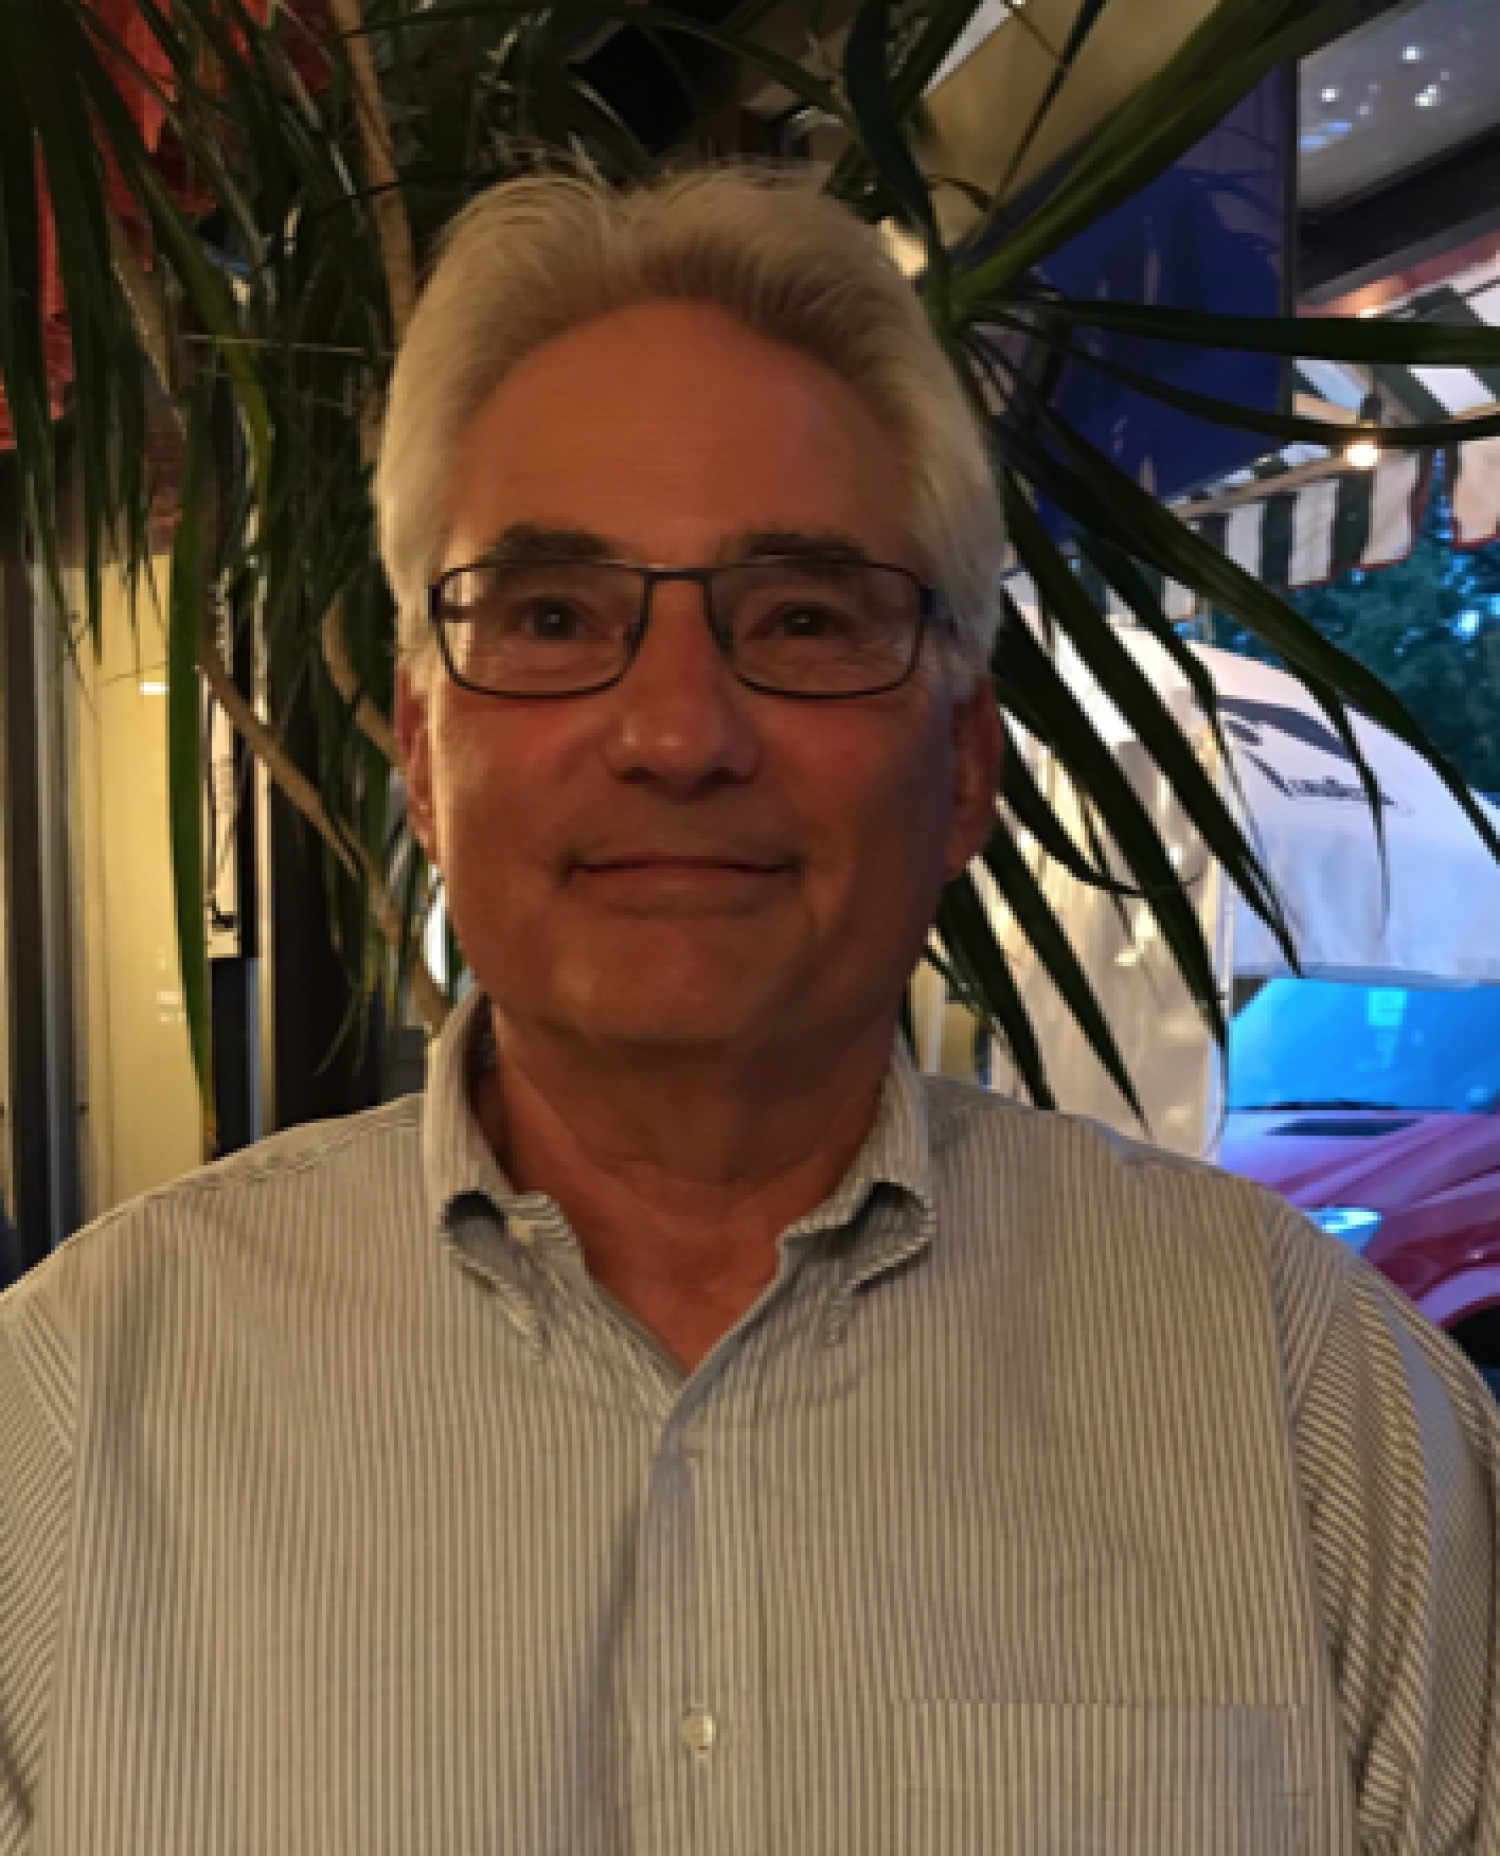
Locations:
{"points": [[944, 1029], [142, 1125]]}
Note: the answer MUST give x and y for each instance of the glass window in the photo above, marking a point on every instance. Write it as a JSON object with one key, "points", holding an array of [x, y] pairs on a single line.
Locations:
{"points": [[1314, 1044]]}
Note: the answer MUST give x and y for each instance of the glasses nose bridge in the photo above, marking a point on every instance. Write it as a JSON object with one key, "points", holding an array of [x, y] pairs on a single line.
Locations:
{"points": [[701, 577]]}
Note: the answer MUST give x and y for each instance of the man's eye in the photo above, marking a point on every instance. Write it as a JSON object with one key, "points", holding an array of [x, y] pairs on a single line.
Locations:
{"points": [[547, 621], [807, 621]]}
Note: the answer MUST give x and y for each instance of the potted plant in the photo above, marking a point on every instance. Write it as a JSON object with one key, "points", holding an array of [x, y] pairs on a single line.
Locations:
{"points": [[244, 195]]}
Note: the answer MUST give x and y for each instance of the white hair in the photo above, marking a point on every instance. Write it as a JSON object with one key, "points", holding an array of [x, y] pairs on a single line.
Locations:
{"points": [[533, 259]]}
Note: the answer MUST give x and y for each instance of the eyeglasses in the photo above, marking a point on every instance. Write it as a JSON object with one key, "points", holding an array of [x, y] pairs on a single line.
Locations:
{"points": [[788, 625]]}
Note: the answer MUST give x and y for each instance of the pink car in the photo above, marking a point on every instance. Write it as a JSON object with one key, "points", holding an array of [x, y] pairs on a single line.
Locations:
{"points": [[1376, 1110]]}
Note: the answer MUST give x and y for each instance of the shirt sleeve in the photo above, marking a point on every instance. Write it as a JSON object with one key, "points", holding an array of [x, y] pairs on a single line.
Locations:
{"points": [[36, 1484], [1397, 1444]]}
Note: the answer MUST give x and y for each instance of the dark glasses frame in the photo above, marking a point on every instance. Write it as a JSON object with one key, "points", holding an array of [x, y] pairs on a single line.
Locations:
{"points": [[930, 606]]}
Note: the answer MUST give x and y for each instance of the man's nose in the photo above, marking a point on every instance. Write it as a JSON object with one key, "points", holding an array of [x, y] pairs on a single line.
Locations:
{"points": [[681, 716]]}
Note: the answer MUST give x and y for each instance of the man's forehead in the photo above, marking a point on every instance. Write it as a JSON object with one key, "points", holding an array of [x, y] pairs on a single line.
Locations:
{"points": [[524, 541]]}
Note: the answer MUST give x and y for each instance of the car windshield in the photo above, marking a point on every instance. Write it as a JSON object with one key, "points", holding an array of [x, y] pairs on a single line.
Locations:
{"points": [[1316, 1044]]}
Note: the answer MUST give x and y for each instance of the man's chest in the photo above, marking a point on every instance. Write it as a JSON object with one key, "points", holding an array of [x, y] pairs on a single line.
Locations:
{"points": [[838, 1599]]}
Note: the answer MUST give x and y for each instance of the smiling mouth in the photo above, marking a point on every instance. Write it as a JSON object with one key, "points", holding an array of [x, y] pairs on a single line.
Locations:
{"points": [[707, 866], [652, 885]]}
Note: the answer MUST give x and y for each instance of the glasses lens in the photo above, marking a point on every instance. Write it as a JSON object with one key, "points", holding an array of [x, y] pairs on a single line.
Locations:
{"points": [[820, 628], [539, 628]]}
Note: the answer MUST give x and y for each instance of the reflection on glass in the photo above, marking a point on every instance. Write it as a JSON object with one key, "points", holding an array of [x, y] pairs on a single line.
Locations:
{"points": [[1317, 1044]]}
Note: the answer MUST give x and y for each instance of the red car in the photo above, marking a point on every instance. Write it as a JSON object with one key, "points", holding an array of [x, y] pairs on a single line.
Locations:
{"points": [[1376, 1110]]}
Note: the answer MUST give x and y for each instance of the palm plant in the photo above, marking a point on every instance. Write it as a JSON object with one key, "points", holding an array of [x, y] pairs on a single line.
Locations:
{"points": [[247, 274]]}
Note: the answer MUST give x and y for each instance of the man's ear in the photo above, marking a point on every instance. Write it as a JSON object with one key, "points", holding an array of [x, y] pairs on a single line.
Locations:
{"points": [[978, 749], [415, 742]]}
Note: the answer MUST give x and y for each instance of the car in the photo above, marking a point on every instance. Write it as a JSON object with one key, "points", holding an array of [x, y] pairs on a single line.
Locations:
{"points": [[1376, 1110]]}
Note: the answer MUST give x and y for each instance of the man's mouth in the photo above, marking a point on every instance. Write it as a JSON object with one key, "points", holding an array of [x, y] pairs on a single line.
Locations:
{"points": [[677, 882], [670, 861]]}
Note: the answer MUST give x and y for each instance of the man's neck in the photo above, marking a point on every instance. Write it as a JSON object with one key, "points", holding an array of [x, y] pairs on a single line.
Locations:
{"points": [[679, 1177]]}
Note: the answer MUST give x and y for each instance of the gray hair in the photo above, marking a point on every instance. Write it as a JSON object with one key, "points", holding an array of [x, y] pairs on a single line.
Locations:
{"points": [[533, 259]]}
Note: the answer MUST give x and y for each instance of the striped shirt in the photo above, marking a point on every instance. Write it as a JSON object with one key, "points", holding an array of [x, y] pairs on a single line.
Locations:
{"points": [[1058, 1498]]}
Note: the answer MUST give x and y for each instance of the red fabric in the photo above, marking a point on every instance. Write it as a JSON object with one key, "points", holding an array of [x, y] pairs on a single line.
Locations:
{"points": [[124, 20]]}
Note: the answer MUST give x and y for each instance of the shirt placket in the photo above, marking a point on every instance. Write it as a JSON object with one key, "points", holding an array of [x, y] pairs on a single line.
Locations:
{"points": [[692, 1676]]}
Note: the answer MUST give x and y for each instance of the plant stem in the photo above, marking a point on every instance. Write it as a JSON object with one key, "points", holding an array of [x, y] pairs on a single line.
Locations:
{"points": [[393, 228], [432, 1007], [371, 722], [147, 308]]}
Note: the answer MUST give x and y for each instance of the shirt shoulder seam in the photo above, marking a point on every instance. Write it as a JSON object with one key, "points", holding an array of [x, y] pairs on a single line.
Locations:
{"points": [[254, 1166]]}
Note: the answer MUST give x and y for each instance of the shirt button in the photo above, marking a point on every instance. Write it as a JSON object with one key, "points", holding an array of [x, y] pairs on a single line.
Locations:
{"points": [[698, 1731]]}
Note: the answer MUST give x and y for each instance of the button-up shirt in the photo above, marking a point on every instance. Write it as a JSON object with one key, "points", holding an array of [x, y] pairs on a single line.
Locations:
{"points": [[1057, 1498]]}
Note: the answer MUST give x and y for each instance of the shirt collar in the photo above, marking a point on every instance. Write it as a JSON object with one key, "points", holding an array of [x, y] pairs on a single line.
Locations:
{"points": [[896, 1153], [458, 1163], [460, 1166]]}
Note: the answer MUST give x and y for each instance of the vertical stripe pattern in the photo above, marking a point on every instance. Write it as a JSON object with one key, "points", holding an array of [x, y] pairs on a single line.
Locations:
{"points": [[1056, 1499]]}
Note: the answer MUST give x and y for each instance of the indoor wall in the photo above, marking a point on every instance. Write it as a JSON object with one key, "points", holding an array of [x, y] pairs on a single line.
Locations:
{"points": [[142, 1126]]}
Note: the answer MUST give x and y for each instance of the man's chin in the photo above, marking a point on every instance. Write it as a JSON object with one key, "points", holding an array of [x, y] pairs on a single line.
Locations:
{"points": [[650, 1011], [655, 1004]]}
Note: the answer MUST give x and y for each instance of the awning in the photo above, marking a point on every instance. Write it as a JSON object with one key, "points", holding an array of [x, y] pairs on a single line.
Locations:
{"points": [[1318, 529], [1305, 516]]}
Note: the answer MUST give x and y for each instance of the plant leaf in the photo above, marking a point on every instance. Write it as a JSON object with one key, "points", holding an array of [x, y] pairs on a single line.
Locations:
{"points": [[871, 97], [969, 937], [1289, 428], [1038, 921], [1028, 686], [786, 71], [1136, 697], [1186, 557], [945, 24], [1027, 804], [1311, 338], [186, 605], [1220, 62]]}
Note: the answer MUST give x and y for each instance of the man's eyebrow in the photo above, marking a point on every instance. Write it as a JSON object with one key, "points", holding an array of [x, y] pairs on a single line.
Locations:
{"points": [[542, 541], [810, 544]]}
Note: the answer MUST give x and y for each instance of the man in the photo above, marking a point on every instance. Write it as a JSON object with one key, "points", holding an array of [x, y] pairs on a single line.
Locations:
{"points": [[685, 1429]]}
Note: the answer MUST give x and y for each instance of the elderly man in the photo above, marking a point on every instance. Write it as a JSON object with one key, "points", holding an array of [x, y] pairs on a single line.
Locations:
{"points": [[685, 1429]]}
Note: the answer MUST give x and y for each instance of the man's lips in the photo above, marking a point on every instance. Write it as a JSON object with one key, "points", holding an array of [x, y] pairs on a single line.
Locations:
{"points": [[621, 858], [664, 861], [681, 883]]}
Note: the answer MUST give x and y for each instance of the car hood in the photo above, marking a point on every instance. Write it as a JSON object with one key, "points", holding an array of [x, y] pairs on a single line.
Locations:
{"points": [[1382, 1160]]}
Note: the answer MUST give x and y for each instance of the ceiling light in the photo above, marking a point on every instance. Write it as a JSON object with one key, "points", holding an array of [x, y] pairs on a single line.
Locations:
{"points": [[1413, 54], [1330, 95], [153, 688], [1363, 454]]}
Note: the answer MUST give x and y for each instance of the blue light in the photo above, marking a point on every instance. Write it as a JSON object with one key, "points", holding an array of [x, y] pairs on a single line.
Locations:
{"points": [[1353, 1225]]}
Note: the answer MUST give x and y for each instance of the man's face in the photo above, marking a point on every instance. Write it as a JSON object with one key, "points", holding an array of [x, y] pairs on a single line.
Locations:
{"points": [[681, 862]]}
